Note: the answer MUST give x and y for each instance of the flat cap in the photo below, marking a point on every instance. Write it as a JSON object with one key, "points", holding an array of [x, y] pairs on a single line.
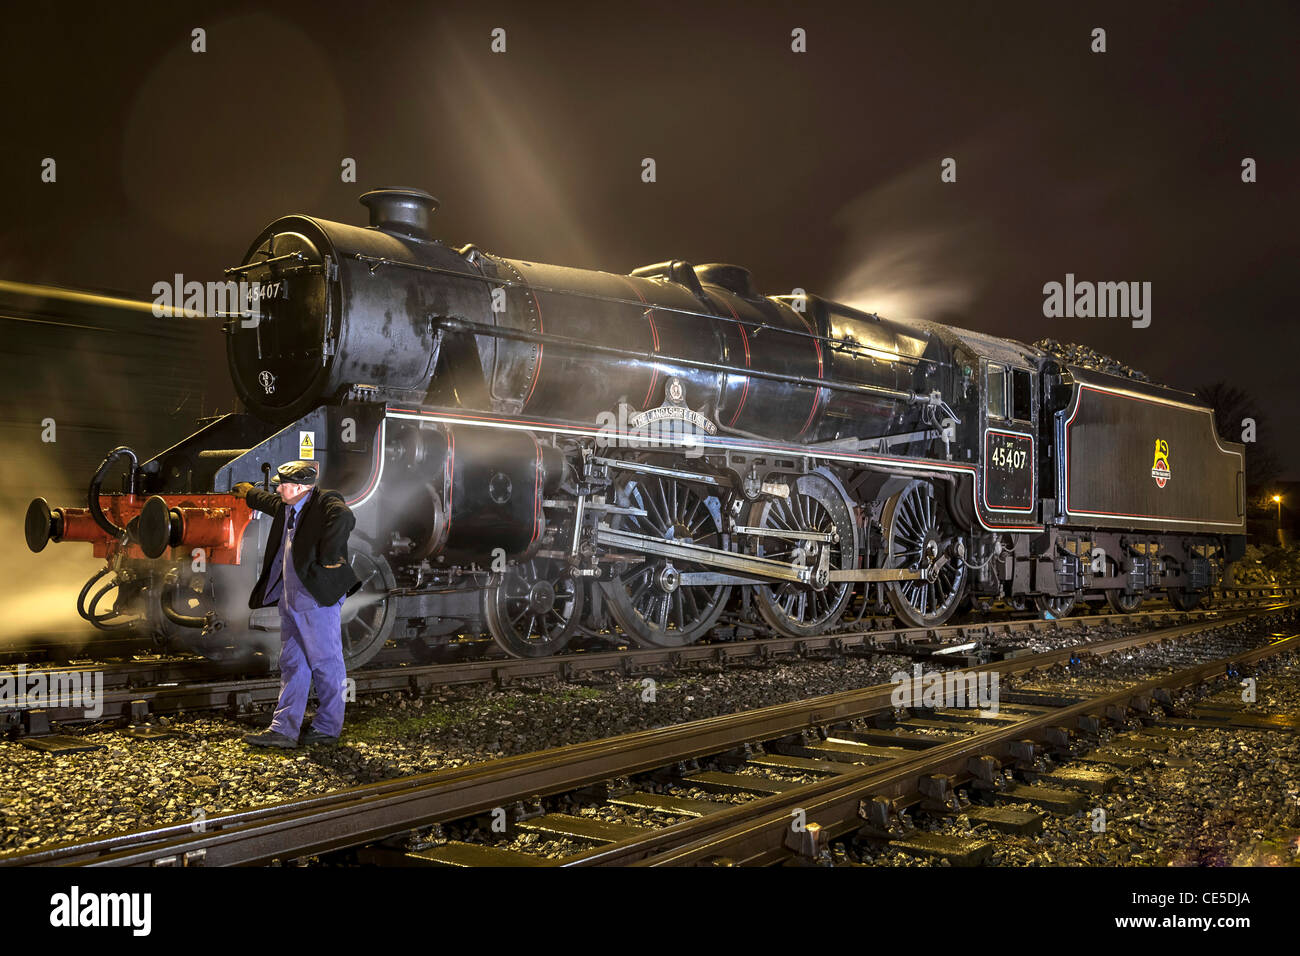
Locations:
{"points": [[296, 473]]}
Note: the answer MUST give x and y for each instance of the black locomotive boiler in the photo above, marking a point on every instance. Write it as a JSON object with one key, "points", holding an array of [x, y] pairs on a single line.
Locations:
{"points": [[533, 451]]}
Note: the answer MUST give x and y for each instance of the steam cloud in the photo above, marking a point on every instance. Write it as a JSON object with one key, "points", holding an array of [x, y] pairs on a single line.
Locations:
{"points": [[41, 598], [909, 257]]}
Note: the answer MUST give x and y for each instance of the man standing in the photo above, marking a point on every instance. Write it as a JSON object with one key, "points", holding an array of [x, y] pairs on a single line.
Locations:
{"points": [[306, 572]]}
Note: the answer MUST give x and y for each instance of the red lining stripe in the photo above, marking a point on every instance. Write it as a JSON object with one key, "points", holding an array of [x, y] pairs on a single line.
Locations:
{"points": [[744, 341], [817, 393], [1033, 469], [654, 340], [1078, 404]]}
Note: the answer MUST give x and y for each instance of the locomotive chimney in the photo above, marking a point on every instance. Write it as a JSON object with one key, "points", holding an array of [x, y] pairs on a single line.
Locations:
{"points": [[407, 211]]}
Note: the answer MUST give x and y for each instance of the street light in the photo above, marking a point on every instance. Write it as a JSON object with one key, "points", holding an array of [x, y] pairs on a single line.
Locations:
{"points": [[1278, 500]]}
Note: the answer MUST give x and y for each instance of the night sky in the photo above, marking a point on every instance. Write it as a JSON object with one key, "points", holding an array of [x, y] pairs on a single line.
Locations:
{"points": [[818, 170]]}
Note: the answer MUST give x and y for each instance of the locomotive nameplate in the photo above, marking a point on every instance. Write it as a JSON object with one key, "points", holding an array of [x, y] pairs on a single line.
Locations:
{"points": [[1008, 471], [678, 413]]}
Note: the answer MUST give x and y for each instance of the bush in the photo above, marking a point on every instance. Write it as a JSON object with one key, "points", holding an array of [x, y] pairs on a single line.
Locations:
{"points": [[1268, 565]]}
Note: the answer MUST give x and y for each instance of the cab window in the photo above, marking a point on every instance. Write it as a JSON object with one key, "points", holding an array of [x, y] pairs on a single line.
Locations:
{"points": [[1022, 395], [997, 392]]}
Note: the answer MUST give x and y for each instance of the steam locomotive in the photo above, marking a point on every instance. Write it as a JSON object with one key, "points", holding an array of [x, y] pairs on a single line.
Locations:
{"points": [[536, 452]]}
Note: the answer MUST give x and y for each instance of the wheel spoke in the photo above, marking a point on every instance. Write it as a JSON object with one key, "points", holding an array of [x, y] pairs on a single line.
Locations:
{"points": [[668, 511], [695, 604], [917, 523], [690, 521], [798, 608], [656, 521], [644, 611], [661, 614]]}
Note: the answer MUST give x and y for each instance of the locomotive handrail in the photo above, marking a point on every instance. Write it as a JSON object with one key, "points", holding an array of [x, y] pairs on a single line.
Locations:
{"points": [[265, 262]]}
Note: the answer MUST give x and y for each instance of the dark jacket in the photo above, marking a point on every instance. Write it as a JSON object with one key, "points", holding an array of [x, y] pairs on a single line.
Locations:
{"points": [[320, 538]]}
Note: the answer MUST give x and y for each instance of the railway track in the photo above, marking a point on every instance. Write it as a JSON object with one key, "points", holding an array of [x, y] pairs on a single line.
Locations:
{"points": [[861, 767], [874, 795], [150, 686], [1128, 797]]}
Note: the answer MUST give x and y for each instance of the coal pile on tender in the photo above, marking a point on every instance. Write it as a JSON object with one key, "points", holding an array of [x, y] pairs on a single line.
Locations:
{"points": [[1072, 353]]}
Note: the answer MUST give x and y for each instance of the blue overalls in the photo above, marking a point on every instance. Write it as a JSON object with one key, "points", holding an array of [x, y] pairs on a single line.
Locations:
{"points": [[311, 644]]}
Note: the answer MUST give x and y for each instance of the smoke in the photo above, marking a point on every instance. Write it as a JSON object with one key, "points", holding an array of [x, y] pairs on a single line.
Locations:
{"points": [[83, 376], [41, 598], [508, 131], [71, 380], [356, 603], [909, 275], [913, 253]]}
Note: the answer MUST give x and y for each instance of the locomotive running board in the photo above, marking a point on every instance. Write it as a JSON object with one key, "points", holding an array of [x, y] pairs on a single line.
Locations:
{"points": [[740, 563]]}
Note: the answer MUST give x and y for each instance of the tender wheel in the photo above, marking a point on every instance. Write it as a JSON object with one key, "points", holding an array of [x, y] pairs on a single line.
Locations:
{"points": [[919, 537], [533, 609], [1060, 605], [815, 505], [1182, 599], [649, 600], [1122, 603], [367, 616]]}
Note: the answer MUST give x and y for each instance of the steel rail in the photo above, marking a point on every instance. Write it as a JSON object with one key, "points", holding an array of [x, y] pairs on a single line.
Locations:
{"points": [[170, 693], [755, 833]]}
